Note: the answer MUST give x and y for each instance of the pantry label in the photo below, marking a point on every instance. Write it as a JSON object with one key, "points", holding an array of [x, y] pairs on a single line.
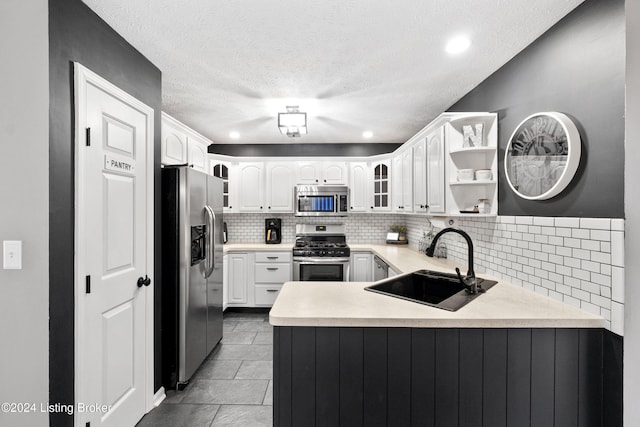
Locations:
{"points": [[112, 163]]}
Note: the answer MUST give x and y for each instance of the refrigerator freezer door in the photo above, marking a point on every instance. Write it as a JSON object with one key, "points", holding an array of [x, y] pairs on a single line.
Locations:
{"points": [[214, 281], [193, 305]]}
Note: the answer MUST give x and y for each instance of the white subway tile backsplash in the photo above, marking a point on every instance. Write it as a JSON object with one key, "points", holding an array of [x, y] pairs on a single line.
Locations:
{"points": [[581, 254], [601, 279], [617, 248], [528, 220], [544, 221], [572, 243], [581, 274], [595, 223], [617, 284], [591, 266], [603, 235], [563, 250], [590, 245], [591, 308], [572, 262], [567, 222], [579, 233], [617, 224]]}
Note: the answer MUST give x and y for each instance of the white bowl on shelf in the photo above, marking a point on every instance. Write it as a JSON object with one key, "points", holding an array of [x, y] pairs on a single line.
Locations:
{"points": [[465, 175], [484, 174]]}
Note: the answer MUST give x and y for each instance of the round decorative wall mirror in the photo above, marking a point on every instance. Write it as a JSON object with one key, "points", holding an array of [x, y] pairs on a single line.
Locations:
{"points": [[542, 156]]}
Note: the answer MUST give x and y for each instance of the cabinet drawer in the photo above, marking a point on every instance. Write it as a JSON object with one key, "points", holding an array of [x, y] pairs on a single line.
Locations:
{"points": [[273, 273], [267, 294], [273, 256]]}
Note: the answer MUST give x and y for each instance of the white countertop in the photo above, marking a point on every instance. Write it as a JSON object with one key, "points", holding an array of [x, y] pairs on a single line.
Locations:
{"points": [[262, 247], [347, 304]]}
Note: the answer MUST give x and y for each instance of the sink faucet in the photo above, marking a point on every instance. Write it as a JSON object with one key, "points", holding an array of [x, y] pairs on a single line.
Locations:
{"points": [[469, 281]]}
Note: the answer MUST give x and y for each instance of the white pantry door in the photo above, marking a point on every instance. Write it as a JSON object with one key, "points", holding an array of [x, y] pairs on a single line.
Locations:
{"points": [[113, 253]]}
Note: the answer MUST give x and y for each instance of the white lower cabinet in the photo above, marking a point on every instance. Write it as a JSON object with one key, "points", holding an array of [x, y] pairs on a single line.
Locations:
{"points": [[238, 282], [391, 272], [256, 286], [271, 270], [225, 281], [361, 267]]}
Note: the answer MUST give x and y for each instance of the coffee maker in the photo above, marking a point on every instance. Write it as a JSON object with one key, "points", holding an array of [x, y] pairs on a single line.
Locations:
{"points": [[272, 230]]}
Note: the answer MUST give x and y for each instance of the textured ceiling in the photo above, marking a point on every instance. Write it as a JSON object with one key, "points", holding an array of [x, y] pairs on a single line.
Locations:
{"points": [[352, 65]]}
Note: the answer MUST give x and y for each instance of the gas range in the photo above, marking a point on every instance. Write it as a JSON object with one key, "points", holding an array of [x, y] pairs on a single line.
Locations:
{"points": [[315, 241]]}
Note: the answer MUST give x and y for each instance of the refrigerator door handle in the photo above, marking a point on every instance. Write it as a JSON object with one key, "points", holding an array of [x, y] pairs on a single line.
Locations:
{"points": [[211, 221]]}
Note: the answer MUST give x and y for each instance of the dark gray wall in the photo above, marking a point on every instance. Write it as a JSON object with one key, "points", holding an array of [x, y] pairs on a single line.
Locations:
{"points": [[78, 34], [578, 68], [298, 148]]}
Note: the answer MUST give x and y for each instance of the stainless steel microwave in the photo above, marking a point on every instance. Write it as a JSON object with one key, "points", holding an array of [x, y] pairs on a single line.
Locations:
{"points": [[322, 200]]}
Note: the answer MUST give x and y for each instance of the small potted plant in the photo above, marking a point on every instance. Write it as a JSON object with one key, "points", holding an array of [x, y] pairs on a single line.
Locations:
{"points": [[401, 232]]}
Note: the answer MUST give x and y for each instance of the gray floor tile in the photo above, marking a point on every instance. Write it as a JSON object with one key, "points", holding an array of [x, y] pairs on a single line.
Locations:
{"points": [[255, 370], [263, 338], [228, 326], [244, 352], [235, 392], [250, 326], [238, 337], [245, 416], [215, 369], [173, 396], [180, 415], [268, 397]]}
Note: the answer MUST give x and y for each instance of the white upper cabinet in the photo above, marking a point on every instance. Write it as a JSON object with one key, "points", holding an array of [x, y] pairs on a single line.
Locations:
{"points": [[223, 170], [181, 145], [420, 176], [380, 177], [322, 173], [334, 173], [403, 181], [280, 183], [250, 193], [308, 173], [174, 145], [197, 153], [436, 185], [359, 187]]}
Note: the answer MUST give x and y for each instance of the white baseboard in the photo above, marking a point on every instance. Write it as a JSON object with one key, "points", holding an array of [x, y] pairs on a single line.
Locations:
{"points": [[159, 397]]}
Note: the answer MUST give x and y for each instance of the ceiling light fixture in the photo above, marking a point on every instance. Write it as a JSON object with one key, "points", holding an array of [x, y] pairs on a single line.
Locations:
{"points": [[234, 135], [293, 123], [458, 45], [367, 134]]}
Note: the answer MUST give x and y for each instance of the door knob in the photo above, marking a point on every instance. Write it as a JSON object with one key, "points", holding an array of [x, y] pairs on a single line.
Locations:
{"points": [[144, 281]]}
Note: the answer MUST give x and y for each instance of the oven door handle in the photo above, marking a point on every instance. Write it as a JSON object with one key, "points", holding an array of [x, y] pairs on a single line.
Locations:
{"points": [[320, 260]]}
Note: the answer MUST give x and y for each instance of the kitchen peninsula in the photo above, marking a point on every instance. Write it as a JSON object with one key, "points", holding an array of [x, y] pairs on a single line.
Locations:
{"points": [[344, 356]]}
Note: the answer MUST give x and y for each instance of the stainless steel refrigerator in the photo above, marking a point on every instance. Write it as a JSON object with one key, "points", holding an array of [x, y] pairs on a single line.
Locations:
{"points": [[191, 297]]}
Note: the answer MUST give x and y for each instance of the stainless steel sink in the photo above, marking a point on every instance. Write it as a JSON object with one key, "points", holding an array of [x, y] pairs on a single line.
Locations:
{"points": [[441, 290]]}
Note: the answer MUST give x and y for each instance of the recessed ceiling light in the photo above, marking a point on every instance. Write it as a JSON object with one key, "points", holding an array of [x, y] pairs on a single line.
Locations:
{"points": [[367, 134], [234, 135], [458, 45]]}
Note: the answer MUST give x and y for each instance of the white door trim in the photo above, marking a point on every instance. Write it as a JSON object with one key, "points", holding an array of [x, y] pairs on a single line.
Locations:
{"points": [[83, 76]]}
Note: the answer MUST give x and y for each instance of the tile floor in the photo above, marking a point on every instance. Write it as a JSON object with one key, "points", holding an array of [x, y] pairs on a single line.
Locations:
{"points": [[233, 387]]}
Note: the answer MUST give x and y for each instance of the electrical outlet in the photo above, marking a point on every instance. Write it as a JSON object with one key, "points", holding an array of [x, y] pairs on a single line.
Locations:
{"points": [[12, 259]]}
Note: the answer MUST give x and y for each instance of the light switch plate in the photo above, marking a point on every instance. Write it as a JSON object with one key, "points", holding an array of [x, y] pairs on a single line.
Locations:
{"points": [[12, 258]]}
